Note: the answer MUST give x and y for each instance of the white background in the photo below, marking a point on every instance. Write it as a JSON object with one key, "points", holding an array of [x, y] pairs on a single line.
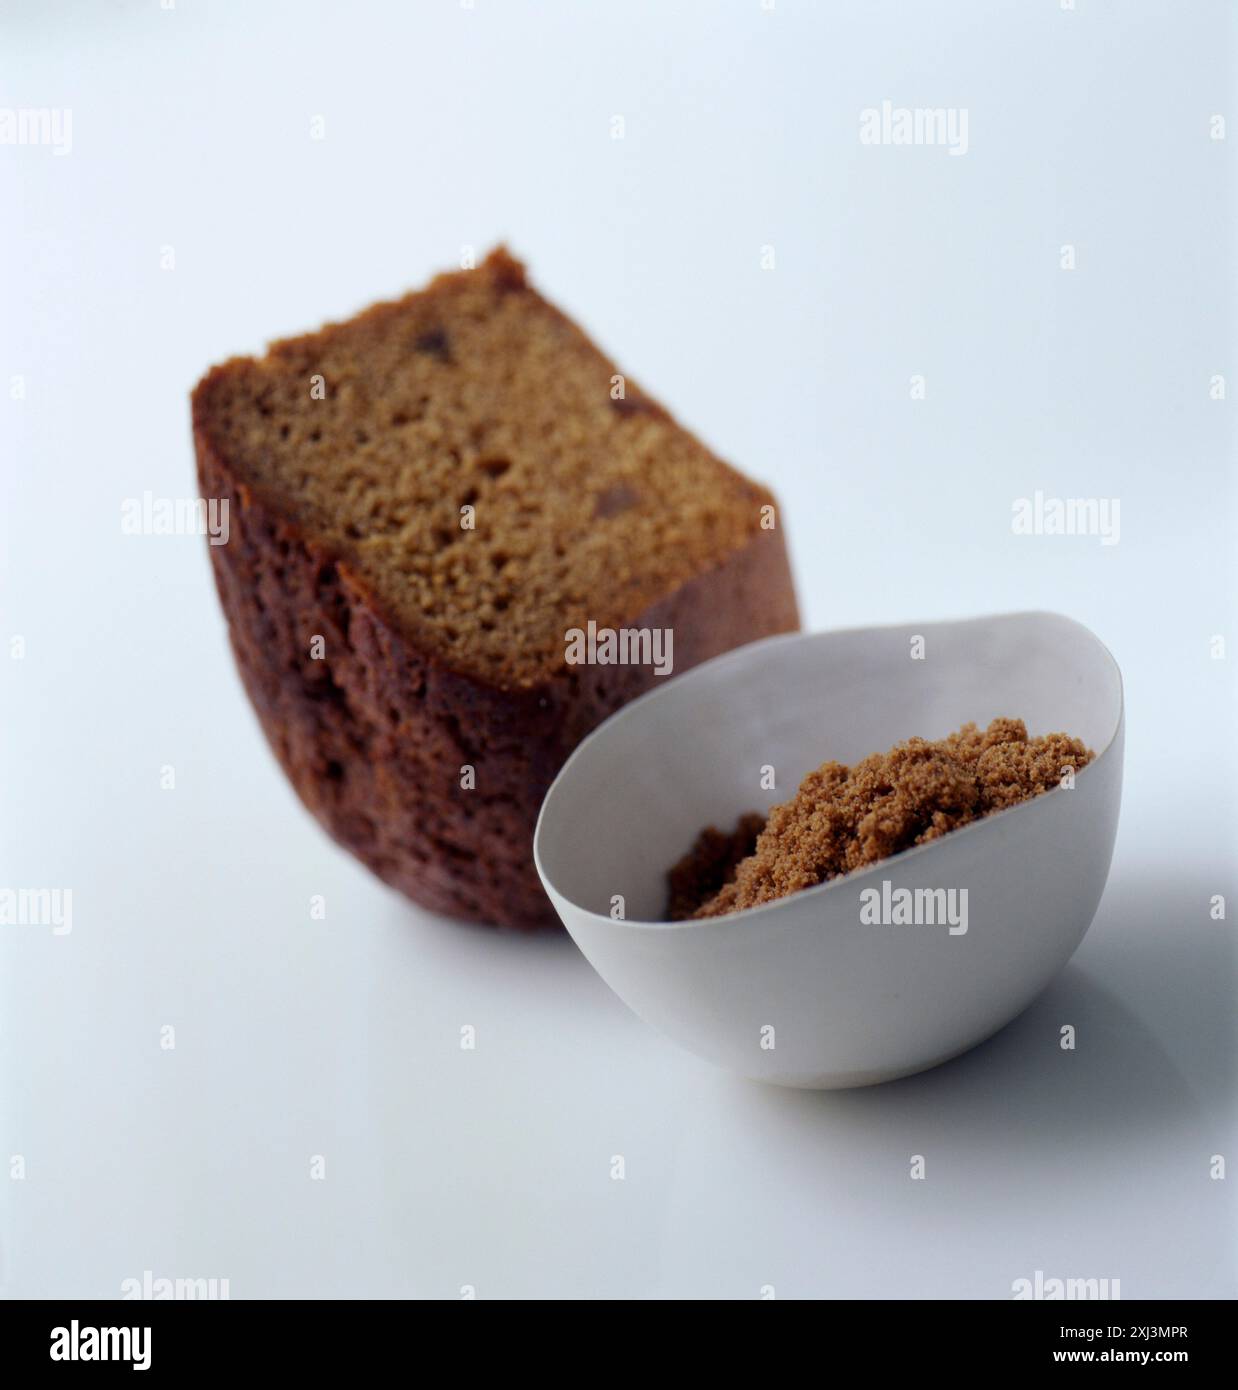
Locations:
{"points": [[448, 127]]}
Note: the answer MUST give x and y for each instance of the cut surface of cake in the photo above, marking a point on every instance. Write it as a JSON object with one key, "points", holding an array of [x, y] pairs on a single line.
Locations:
{"points": [[425, 501]]}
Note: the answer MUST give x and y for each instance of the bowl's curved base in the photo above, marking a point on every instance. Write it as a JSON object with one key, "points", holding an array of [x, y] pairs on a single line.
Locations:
{"points": [[849, 1081]]}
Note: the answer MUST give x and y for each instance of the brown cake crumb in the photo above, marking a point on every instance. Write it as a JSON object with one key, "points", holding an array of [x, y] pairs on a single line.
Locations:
{"points": [[843, 819]]}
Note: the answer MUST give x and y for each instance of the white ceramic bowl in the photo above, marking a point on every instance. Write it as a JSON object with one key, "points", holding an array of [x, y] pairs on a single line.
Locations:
{"points": [[801, 991]]}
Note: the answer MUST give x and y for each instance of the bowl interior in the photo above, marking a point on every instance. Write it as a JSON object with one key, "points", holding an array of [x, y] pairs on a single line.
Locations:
{"points": [[695, 752]]}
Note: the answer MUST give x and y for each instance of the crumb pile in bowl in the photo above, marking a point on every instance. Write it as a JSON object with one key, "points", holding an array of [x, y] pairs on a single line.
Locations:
{"points": [[847, 818]]}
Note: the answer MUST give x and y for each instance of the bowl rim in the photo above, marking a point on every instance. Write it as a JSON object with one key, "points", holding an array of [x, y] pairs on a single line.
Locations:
{"points": [[856, 875]]}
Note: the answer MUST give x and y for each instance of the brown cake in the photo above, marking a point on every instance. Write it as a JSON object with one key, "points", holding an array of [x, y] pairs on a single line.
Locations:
{"points": [[425, 503]]}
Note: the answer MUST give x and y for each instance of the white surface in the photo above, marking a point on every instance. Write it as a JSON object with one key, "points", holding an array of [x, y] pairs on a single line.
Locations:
{"points": [[297, 1037], [809, 991]]}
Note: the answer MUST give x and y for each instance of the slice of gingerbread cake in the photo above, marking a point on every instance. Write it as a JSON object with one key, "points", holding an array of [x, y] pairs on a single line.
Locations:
{"points": [[458, 539]]}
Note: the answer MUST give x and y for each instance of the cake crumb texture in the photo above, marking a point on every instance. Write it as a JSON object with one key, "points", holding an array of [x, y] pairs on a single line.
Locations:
{"points": [[588, 501]]}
